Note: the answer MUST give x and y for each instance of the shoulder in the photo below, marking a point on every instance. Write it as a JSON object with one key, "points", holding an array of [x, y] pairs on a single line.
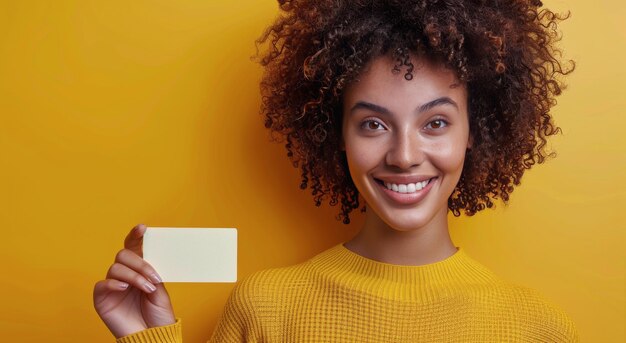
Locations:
{"points": [[282, 282], [262, 288], [529, 310], [251, 303], [253, 300], [538, 314]]}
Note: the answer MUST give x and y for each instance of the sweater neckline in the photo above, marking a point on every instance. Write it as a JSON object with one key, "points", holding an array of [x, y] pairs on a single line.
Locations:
{"points": [[380, 264], [458, 268]]}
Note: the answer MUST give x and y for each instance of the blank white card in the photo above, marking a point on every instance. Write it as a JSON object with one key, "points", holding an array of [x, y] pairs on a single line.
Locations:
{"points": [[192, 254]]}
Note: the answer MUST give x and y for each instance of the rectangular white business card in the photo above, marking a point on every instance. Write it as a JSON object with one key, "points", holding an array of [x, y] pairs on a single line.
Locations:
{"points": [[192, 254]]}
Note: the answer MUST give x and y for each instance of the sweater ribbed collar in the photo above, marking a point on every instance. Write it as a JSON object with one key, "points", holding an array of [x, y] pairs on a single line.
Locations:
{"points": [[345, 266]]}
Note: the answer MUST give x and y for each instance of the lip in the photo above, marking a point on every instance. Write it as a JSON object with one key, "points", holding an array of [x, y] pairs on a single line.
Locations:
{"points": [[404, 179], [407, 198]]}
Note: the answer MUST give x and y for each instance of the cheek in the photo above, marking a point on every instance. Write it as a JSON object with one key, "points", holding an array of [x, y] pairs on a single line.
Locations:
{"points": [[361, 157], [447, 156]]}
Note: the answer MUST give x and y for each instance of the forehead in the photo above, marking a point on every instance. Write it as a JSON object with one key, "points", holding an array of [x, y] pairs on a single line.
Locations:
{"points": [[377, 82]]}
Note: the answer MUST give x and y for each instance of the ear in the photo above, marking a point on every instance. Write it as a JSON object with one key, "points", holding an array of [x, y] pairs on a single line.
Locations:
{"points": [[470, 141], [342, 144]]}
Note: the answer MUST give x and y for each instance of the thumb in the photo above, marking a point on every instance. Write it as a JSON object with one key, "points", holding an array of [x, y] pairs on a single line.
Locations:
{"points": [[160, 297], [134, 239], [164, 313]]}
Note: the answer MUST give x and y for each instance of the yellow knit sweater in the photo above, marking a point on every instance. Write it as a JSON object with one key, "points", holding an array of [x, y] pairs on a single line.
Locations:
{"points": [[340, 296]]}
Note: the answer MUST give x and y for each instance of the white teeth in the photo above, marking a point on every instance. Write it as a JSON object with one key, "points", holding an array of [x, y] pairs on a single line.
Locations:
{"points": [[407, 188], [410, 187]]}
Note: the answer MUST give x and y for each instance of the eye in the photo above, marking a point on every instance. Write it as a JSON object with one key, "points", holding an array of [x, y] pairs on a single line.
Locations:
{"points": [[437, 124], [371, 125]]}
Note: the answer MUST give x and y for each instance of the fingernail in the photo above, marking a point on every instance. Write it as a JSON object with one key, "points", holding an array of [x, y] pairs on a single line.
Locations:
{"points": [[156, 278], [123, 285], [150, 287]]}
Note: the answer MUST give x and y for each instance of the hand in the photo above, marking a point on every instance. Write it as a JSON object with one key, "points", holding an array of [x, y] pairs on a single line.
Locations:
{"points": [[132, 297]]}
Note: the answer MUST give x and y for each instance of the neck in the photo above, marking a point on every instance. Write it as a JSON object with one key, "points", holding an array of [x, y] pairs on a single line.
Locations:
{"points": [[422, 245]]}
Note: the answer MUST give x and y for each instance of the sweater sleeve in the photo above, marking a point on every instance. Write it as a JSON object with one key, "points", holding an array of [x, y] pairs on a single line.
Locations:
{"points": [[558, 325], [160, 334], [238, 321]]}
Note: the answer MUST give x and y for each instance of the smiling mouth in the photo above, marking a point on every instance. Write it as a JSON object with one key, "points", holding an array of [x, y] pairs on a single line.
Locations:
{"points": [[405, 188]]}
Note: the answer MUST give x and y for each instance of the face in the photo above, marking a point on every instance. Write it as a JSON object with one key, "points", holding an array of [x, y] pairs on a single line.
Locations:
{"points": [[405, 140]]}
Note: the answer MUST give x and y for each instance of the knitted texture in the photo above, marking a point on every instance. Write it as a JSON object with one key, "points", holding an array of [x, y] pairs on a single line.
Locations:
{"points": [[168, 333], [340, 296]]}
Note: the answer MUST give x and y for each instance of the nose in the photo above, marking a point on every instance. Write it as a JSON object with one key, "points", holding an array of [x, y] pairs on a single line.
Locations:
{"points": [[406, 151]]}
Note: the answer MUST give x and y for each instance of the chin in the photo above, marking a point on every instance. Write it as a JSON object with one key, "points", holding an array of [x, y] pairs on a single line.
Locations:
{"points": [[404, 220]]}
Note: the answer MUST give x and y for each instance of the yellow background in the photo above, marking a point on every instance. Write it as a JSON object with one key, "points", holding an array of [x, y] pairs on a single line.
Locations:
{"points": [[114, 113]]}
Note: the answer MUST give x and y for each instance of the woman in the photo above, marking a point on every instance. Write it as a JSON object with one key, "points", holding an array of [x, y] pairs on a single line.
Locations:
{"points": [[416, 108]]}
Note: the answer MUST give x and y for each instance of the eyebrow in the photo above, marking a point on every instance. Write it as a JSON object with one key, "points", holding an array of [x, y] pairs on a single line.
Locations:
{"points": [[423, 108]]}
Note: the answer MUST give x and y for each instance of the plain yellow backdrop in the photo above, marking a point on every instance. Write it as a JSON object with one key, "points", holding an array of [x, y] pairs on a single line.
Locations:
{"points": [[114, 113]]}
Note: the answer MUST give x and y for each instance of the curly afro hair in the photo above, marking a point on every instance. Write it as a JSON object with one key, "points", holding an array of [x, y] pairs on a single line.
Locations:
{"points": [[503, 50]]}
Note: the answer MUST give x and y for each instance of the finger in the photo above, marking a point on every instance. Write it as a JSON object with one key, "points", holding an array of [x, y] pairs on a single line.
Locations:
{"points": [[109, 285], [134, 239], [104, 287], [122, 273], [131, 260]]}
